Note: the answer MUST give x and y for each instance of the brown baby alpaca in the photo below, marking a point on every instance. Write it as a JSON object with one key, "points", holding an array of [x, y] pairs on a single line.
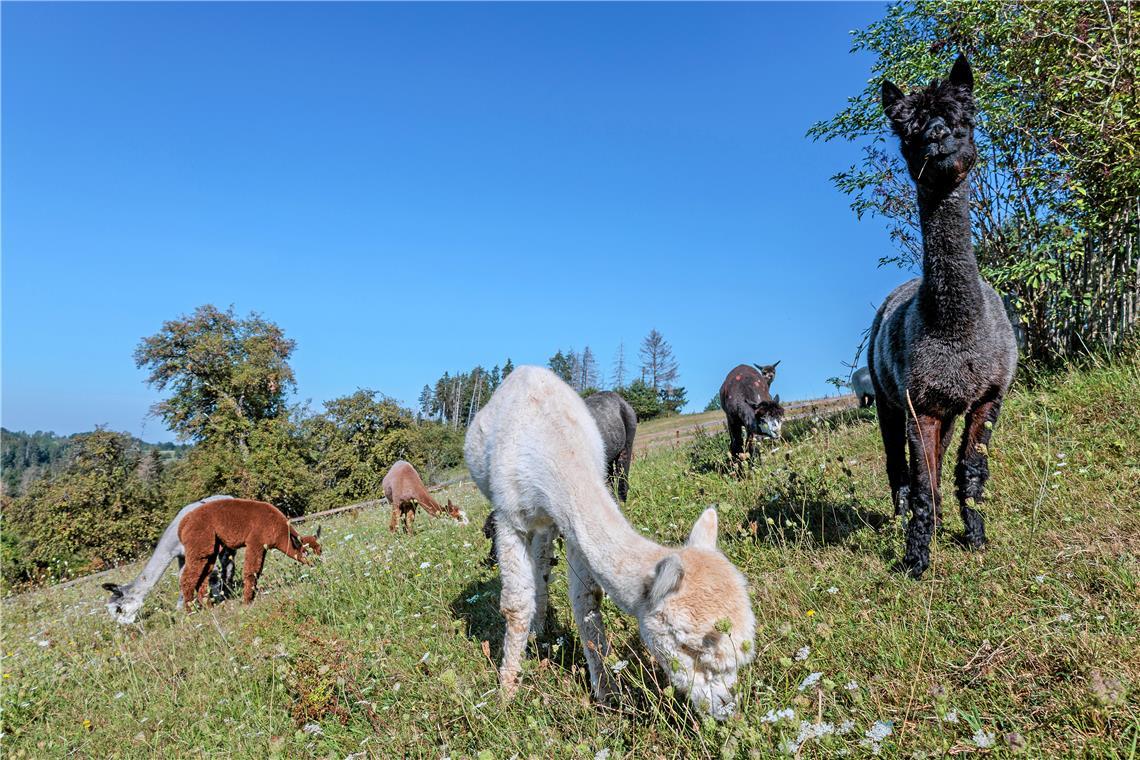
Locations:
{"points": [[233, 524], [404, 490]]}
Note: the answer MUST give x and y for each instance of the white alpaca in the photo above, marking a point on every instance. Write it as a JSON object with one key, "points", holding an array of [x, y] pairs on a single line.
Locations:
{"points": [[126, 600], [536, 454]]}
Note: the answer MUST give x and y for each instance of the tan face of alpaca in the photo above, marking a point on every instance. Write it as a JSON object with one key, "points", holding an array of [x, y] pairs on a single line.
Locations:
{"points": [[700, 625]]}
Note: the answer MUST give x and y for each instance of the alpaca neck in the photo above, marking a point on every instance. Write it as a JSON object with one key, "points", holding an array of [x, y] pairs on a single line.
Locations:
{"points": [[950, 295], [152, 571], [621, 559]]}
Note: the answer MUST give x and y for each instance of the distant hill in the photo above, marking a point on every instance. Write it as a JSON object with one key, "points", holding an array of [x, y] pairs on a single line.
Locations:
{"points": [[25, 457]]}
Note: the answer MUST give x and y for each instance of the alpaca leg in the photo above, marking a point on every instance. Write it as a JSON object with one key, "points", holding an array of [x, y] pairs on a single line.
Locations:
{"points": [[181, 567], [208, 579], [892, 427], [516, 602], [409, 519], [226, 572], [193, 574], [395, 518], [923, 436], [621, 471], [973, 468], [541, 553], [943, 445], [254, 561], [586, 599], [735, 443], [489, 532]]}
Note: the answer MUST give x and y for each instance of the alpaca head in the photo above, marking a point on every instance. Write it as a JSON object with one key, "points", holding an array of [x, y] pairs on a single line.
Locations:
{"points": [[697, 620], [936, 128], [455, 513], [123, 608], [769, 418], [767, 371], [306, 545]]}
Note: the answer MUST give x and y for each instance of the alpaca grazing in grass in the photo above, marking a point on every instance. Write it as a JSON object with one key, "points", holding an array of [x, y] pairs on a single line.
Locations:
{"points": [[862, 387], [233, 524], [128, 598], [536, 453], [404, 489], [749, 408], [941, 346], [617, 422]]}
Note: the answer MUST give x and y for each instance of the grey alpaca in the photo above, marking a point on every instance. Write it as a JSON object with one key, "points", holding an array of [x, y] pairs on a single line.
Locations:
{"points": [[862, 387], [944, 339], [617, 422]]}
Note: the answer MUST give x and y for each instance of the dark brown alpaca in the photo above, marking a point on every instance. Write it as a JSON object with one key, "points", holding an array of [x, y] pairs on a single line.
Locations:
{"points": [[749, 408], [940, 346], [232, 524], [404, 489]]}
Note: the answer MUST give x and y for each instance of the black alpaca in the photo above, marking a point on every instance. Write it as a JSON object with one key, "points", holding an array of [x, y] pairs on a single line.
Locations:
{"points": [[941, 345]]}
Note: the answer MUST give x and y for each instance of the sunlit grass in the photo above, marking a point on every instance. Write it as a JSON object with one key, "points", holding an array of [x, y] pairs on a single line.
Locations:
{"points": [[380, 650]]}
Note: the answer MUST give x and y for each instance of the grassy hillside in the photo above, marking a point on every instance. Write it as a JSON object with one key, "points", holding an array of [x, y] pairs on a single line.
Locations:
{"points": [[385, 648]]}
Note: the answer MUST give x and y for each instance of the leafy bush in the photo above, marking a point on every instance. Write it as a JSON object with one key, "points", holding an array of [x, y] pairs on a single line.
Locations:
{"points": [[105, 507], [708, 452]]}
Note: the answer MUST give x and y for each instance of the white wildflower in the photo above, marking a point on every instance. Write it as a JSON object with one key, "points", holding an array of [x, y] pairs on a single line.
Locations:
{"points": [[833, 590], [348, 536], [802, 653], [875, 735], [776, 715], [619, 666], [480, 705], [950, 717], [851, 686], [473, 599], [1039, 578], [425, 565], [425, 657], [1064, 617], [845, 726], [811, 680], [120, 694], [43, 643], [602, 754], [313, 728], [983, 738]]}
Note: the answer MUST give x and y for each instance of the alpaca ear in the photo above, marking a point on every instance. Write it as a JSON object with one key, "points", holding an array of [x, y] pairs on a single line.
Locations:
{"points": [[776, 400], [703, 534], [667, 578], [891, 95], [114, 588], [777, 364], [295, 541], [318, 533], [962, 74]]}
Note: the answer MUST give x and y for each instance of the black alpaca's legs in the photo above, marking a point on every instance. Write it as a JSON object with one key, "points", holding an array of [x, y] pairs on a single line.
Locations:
{"points": [[735, 444], [892, 426], [973, 468], [621, 473], [924, 436], [943, 445]]}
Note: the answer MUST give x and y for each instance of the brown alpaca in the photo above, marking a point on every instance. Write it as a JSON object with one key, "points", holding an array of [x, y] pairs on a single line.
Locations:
{"points": [[404, 490], [233, 524]]}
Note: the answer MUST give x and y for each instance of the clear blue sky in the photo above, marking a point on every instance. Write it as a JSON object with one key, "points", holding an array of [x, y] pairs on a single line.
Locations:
{"points": [[408, 189]]}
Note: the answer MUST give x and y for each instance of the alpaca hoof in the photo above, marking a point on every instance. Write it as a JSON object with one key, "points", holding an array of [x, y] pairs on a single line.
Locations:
{"points": [[508, 685], [914, 567]]}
